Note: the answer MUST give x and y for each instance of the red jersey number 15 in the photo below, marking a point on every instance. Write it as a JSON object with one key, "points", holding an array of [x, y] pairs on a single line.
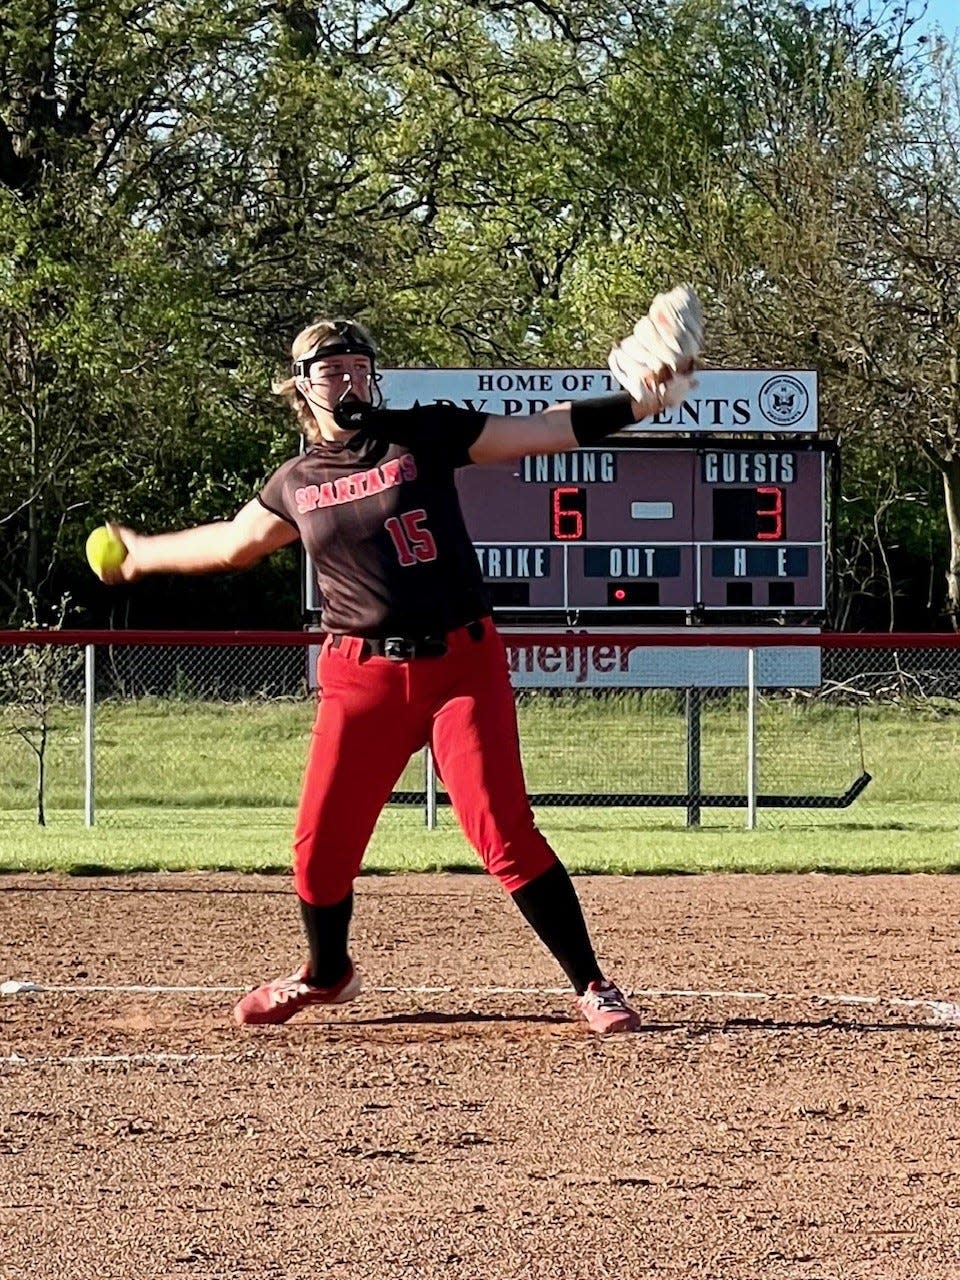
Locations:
{"points": [[412, 539]]}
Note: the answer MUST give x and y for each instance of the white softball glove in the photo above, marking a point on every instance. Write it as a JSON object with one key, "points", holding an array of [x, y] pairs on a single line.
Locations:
{"points": [[655, 363]]}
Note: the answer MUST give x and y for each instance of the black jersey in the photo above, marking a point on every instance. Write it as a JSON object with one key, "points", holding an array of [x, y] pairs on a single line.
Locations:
{"points": [[380, 518]]}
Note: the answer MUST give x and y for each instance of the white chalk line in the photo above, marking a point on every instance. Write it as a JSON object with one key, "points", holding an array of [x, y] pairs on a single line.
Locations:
{"points": [[943, 1011], [116, 1059], [15, 987]]}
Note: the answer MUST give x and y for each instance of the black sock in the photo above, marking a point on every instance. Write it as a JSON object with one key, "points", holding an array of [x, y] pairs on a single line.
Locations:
{"points": [[327, 930], [551, 907]]}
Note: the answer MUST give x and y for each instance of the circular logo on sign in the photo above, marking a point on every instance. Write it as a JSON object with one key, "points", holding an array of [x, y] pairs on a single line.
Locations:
{"points": [[783, 400]]}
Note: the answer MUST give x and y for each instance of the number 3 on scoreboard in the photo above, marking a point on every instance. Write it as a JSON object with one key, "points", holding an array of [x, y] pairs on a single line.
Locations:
{"points": [[772, 511], [411, 538]]}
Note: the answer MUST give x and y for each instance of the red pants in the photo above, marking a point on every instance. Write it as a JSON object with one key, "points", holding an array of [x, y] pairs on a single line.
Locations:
{"points": [[373, 714]]}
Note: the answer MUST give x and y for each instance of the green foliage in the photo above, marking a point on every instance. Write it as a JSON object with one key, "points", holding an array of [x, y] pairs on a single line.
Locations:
{"points": [[120, 393], [183, 186], [843, 180]]}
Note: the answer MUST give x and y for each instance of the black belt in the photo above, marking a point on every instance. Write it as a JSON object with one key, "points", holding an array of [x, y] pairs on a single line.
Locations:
{"points": [[403, 648]]}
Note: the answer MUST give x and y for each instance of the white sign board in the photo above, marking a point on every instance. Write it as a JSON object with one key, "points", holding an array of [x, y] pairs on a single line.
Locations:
{"points": [[742, 400], [635, 665]]}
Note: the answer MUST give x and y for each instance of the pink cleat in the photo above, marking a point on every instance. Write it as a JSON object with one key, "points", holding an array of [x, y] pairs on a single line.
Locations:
{"points": [[605, 1009], [279, 1000]]}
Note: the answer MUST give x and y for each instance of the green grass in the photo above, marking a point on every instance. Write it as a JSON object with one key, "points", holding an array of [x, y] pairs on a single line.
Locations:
{"points": [[185, 785], [613, 841]]}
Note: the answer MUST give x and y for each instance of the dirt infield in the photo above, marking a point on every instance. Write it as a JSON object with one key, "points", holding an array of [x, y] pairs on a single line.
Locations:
{"points": [[474, 1132]]}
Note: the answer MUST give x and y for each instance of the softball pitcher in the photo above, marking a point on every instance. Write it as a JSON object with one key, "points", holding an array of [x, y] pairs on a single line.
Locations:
{"points": [[411, 655]]}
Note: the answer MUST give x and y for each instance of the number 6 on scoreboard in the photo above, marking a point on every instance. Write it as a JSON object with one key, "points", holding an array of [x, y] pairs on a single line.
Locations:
{"points": [[568, 513]]}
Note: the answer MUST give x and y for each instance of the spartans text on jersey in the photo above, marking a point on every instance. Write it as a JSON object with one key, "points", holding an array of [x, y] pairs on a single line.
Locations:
{"points": [[361, 484]]}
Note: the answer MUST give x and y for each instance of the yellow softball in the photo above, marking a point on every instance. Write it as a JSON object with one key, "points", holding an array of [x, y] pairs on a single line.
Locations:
{"points": [[105, 551]]}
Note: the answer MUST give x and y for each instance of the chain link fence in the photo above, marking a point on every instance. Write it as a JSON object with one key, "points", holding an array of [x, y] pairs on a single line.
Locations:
{"points": [[676, 735]]}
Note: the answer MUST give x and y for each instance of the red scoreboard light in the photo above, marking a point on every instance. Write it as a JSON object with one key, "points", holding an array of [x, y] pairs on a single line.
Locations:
{"points": [[751, 514], [726, 529], [568, 513]]}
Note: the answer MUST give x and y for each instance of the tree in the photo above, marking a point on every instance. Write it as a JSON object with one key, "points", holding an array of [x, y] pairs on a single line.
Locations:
{"points": [[905, 338], [181, 189], [34, 685], [788, 154], [105, 356], [827, 229]]}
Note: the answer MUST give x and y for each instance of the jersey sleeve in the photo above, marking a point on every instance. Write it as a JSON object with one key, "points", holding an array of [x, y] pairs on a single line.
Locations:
{"points": [[442, 431], [275, 494]]}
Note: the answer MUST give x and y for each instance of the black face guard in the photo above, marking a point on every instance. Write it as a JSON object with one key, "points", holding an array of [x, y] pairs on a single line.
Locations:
{"points": [[339, 347], [348, 413], [347, 342]]}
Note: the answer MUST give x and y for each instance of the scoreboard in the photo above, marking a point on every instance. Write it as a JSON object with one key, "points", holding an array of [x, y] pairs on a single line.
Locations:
{"points": [[716, 511], [685, 527]]}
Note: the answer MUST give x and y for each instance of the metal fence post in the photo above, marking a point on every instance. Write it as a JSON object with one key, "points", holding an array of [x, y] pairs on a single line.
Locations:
{"points": [[89, 681], [431, 789], [751, 739], [694, 699]]}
